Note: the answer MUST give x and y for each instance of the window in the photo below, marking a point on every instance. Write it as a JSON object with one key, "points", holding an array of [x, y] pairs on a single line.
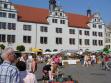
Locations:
{"points": [[11, 38], [94, 25], [44, 29], [86, 33], [94, 33], [99, 20], [60, 14], [80, 32], [27, 27], [56, 13], [80, 41], [100, 42], [58, 30], [12, 26], [6, 6], [94, 42], [2, 25], [3, 14], [2, 38], [71, 41], [58, 40], [27, 39], [43, 40], [95, 19], [71, 31], [100, 26], [108, 40], [62, 21], [10, 15], [87, 42], [54, 20], [100, 34]]}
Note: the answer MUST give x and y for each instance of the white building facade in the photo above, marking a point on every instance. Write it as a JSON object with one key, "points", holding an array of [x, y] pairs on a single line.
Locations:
{"points": [[108, 37], [49, 29]]}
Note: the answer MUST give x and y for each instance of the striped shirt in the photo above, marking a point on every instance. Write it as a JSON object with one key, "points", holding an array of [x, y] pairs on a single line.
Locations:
{"points": [[8, 73]]}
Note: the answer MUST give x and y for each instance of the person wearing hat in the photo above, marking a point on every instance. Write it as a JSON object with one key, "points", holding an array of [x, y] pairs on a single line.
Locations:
{"points": [[8, 72]]}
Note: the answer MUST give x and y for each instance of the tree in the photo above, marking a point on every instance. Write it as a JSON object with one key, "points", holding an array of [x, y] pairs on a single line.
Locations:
{"points": [[105, 49], [2, 46], [20, 48]]}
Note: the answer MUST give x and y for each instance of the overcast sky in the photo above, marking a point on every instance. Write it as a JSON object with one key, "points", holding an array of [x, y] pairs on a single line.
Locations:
{"points": [[75, 6]]}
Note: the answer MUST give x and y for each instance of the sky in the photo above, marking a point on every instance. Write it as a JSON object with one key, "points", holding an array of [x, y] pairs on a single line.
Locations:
{"points": [[75, 6]]}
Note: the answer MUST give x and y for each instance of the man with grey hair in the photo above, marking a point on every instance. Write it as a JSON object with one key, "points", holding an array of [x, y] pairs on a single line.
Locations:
{"points": [[8, 72]]}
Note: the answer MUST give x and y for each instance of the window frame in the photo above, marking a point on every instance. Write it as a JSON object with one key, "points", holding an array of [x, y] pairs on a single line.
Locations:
{"points": [[43, 40], [72, 41], [27, 39], [59, 40]]}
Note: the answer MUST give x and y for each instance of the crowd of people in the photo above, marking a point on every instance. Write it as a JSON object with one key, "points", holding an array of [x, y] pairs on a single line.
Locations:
{"points": [[17, 70], [51, 69], [22, 69], [87, 59]]}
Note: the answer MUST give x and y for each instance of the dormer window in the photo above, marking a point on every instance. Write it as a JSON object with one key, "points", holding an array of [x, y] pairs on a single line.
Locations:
{"points": [[5, 6], [60, 14], [99, 20], [56, 13], [95, 19], [100, 26], [94, 25]]}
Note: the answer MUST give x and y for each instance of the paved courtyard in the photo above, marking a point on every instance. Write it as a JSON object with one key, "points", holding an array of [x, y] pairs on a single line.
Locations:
{"points": [[83, 74]]}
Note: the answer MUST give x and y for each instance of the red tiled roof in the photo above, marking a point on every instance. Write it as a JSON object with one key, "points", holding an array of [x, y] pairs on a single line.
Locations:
{"points": [[39, 15], [79, 21]]}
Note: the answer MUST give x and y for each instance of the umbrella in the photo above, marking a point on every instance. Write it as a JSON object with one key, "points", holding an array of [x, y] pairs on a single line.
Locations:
{"points": [[100, 50], [107, 51], [36, 50]]}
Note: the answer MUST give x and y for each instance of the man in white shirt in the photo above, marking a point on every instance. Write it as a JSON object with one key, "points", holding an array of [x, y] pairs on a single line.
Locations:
{"points": [[93, 59]]}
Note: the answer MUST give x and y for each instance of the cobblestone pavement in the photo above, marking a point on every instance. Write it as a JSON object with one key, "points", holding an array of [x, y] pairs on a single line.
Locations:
{"points": [[91, 74]]}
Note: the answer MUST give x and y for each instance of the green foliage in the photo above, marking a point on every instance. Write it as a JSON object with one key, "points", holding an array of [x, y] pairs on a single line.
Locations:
{"points": [[20, 48], [2, 46], [105, 49]]}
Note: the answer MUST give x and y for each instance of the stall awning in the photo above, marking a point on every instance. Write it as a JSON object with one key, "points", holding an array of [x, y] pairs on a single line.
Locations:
{"points": [[36, 50]]}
